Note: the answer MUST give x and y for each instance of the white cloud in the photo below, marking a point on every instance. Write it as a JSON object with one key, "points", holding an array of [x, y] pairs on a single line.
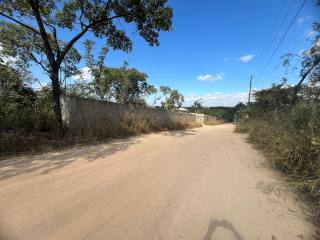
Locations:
{"points": [[246, 58], [218, 98], [7, 59], [85, 75], [301, 20], [212, 78]]}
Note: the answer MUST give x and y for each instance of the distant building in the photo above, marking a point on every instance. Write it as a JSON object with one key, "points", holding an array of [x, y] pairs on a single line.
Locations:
{"points": [[182, 109]]}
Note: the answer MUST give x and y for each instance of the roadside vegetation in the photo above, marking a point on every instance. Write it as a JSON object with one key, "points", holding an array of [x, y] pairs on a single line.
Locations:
{"points": [[284, 122], [27, 119], [28, 122], [222, 114], [30, 119]]}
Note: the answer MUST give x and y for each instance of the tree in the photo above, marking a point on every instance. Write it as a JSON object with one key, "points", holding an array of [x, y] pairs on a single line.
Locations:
{"points": [[81, 89], [197, 105], [16, 97], [130, 87], [172, 98], [239, 106], [310, 63], [123, 85], [310, 66], [153, 90], [31, 30], [176, 98], [276, 98]]}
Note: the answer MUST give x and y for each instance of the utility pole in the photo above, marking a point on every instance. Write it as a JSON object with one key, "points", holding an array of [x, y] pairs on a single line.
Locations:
{"points": [[249, 96]]}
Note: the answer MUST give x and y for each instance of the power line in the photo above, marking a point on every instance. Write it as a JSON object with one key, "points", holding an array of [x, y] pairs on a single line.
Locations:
{"points": [[263, 52], [283, 20], [299, 42], [281, 40]]}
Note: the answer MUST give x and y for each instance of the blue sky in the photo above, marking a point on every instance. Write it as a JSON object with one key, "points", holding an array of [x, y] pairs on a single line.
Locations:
{"points": [[216, 45]]}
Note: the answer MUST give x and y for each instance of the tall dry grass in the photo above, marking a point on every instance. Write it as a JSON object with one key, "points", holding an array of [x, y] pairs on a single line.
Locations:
{"points": [[291, 140], [42, 141]]}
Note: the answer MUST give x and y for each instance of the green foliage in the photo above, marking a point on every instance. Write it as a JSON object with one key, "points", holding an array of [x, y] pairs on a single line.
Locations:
{"points": [[81, 89], [197, 106], [272, 99], [284, 122], [221, 113], [172, 98], [225, 114], [16, 99], [130, 87], [31, 31], [122, 85], [288, 135], [22, 109]]}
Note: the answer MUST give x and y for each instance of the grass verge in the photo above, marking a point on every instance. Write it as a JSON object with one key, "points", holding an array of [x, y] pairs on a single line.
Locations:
{"points": [[22, 142], [291, 148]]}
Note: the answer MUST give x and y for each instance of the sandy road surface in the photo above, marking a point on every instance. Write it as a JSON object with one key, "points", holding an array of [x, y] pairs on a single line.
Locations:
{"points": [[205, 183]]}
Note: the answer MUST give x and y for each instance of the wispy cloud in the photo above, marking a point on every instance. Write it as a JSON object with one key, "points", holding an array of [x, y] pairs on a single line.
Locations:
{"points": [[301, 20], [212, 78], [246, 58], [85, 75], [217, 98], [226, 59]]}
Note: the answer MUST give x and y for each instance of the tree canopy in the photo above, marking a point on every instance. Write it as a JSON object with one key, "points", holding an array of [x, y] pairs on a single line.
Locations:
{"points": [[172, 98], [32, 30]]}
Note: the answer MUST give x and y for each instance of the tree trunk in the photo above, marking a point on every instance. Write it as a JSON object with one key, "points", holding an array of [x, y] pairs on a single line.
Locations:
{"points": [[56, 96]]}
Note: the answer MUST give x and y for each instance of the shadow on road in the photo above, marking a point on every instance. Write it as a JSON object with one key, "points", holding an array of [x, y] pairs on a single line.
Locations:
{"points": [[49, 162], [213, 225]]}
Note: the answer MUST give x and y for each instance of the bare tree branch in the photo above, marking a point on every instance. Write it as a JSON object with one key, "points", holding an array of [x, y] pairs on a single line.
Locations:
{"points": [[20, 23], [303, 77], [80, 34], [33, 57], [55, 37]]}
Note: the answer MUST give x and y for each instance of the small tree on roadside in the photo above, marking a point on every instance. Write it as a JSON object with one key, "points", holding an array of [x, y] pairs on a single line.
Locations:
{"points": [[197, 105], [153, 91], [32, 29], [130, 87], [172, 98], [310, 64]]}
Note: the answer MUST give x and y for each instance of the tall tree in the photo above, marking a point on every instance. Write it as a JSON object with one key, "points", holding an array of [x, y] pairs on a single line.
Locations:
{"points": [[31, 30]]}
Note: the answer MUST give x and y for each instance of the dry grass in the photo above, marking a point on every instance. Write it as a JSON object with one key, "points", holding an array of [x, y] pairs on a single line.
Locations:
{"points": [[290, 150], [214, 122], [35, 141]]}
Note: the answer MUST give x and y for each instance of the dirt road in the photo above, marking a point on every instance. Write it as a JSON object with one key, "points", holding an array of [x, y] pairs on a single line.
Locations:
{"points": [[205, 183]]}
